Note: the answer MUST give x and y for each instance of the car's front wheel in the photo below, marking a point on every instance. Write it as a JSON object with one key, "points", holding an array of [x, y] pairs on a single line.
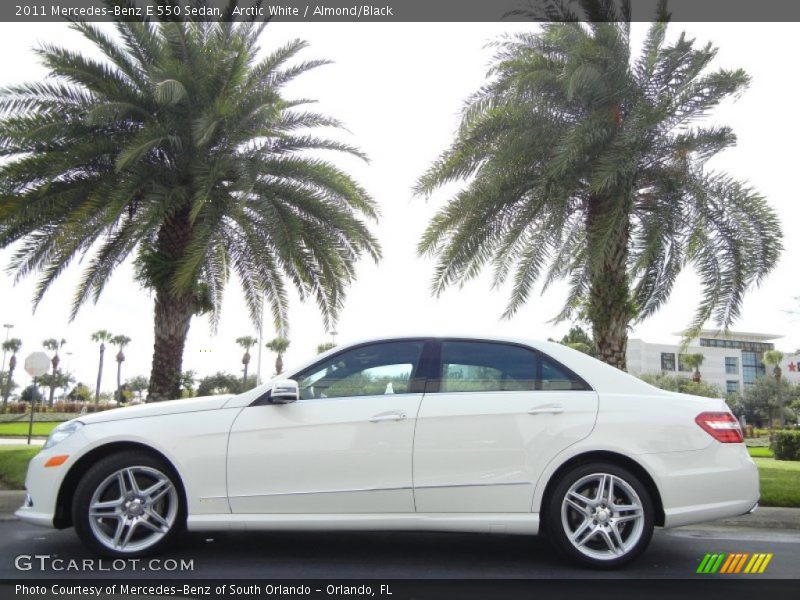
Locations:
{"points": [[128, 504], [600, 515]]}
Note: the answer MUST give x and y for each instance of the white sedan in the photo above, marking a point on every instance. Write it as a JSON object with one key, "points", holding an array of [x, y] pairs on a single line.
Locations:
{"points": [[417, 433]]}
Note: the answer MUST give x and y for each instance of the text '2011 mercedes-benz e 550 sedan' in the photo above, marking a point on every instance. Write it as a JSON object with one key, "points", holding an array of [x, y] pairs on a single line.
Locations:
{"points": [[416, 433]]}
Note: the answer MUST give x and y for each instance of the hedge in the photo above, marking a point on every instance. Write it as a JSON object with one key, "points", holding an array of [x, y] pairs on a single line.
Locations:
{"points": [[786, 445]]}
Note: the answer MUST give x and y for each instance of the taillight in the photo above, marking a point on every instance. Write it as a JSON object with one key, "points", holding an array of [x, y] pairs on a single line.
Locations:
{"points": [[722, 426]]}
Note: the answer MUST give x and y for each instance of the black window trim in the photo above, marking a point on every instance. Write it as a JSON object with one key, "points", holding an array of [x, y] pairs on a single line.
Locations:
{"points": [[433, 385]]}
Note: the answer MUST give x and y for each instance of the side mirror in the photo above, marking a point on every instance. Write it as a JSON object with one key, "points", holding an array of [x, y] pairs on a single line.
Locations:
{"points": [[285, 391]]}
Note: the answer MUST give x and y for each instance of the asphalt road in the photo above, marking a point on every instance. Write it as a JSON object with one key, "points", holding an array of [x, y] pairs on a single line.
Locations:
{"points": [[672, 554]]}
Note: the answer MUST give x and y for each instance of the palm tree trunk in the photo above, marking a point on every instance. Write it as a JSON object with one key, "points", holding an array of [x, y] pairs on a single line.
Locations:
{"points": [[279, 365], [610, 307], [51, 398], [99, 374], [119, 381], [9, 379], [173, 312], [172, 317], [244, 378]]}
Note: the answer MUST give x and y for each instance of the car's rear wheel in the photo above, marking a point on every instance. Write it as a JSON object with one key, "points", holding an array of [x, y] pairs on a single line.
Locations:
{"points": [[128, 504], [600, 515]]}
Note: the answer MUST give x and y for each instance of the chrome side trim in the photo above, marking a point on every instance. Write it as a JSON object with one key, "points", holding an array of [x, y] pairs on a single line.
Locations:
{"points": [[382, 489]]}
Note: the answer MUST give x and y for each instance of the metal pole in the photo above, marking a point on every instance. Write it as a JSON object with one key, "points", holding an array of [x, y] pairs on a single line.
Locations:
{"points": [[33, 405]]}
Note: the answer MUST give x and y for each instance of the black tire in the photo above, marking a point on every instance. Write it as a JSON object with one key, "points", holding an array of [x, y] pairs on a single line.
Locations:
{"points": [[146, 469], [600, 521]]}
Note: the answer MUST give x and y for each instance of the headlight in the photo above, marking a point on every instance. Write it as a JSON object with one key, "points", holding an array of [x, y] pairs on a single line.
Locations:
{"points": [[62, 432]]}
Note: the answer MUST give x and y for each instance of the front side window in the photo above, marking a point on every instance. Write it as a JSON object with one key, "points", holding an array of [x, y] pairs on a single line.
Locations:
{"points": [[497, 367], [374, 369]]}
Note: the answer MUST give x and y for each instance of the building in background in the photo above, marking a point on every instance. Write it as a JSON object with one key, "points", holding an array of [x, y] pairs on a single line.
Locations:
{"points": [[732, 361]]}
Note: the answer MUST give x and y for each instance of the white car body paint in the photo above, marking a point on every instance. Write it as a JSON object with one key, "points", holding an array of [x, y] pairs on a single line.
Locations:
{"points": [[464, 461]]}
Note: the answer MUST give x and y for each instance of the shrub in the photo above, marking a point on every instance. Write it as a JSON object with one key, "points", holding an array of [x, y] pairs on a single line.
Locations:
{"points": [[786, 445]]}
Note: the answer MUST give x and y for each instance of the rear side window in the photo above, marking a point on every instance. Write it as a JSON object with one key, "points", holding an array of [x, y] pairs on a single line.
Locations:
{"points": [[486, 367], [498, 367]]}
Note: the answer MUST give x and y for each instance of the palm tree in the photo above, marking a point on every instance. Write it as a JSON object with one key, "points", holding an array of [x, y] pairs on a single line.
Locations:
{"points": [[774, 358], [179, 148], [279, 345], [102, 336], [54, 346], [120, 341], [246, 342], [12, 345], [693, 361], [583, 164]]}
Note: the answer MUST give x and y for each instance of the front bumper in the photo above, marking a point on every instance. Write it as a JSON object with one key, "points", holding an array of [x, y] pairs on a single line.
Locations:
{"points": [[43, 483]]}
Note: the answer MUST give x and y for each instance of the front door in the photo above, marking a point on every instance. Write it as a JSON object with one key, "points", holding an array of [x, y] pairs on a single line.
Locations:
{"points": [[499, 414], [344, 447]]}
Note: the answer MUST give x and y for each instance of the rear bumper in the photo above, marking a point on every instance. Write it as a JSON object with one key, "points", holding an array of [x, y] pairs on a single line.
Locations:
{"points": [[716, 482]]}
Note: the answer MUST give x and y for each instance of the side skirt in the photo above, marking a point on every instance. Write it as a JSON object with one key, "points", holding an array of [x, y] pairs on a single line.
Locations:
{"points": [[514, 523]]}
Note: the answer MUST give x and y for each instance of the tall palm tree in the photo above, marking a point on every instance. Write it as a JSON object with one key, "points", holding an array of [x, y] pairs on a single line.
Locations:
{"points": [[279, 346], [773, 358], [102, 336], [120, 341], [54, 346], [583, 164], [246, 342], [12, 345], [180, 149]]}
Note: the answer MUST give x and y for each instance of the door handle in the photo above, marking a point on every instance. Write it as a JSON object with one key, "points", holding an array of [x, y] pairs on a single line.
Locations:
{"points": [[551, 409], [395, 416]]}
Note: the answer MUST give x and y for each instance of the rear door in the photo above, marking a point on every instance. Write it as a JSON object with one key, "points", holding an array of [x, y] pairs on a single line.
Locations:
{"points": [[491, 421]]}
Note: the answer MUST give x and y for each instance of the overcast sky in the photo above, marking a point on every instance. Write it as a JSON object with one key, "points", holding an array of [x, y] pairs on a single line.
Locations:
{"points": [[399, 87]]}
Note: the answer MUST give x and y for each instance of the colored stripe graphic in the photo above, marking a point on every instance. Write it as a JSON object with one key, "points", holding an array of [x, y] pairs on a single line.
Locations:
{"points": [[724, 563]]}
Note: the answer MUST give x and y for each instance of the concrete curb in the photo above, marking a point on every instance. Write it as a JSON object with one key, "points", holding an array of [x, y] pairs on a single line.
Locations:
{"points": [[763, 518]]}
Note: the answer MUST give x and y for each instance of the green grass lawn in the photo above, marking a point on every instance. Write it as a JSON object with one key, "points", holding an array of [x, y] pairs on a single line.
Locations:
{"points": [[21, 429], [780, 482], [14, 464]]}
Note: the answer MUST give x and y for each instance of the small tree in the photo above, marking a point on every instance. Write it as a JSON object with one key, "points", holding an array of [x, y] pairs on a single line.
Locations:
{"points": [[324, 347], [693, 361], [279, 345], [579, 340], [12, 345], [138, 385], [219, 383], [773, 358], [80, 393], [188, 379], [246, 342]]}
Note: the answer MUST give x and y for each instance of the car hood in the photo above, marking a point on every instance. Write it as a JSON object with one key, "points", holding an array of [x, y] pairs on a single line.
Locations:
{"points": [[155, 409]]}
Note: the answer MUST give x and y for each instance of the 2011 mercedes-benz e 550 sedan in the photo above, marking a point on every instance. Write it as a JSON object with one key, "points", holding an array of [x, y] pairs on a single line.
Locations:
{"points": [[416, 433]]}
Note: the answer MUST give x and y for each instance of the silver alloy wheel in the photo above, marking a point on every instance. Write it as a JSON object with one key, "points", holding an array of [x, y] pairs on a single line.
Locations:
{"points": [[602, 516], [133, 508]]}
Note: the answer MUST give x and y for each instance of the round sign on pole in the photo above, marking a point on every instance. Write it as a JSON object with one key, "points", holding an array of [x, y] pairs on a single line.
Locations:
{"points": [[37, 364]]}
